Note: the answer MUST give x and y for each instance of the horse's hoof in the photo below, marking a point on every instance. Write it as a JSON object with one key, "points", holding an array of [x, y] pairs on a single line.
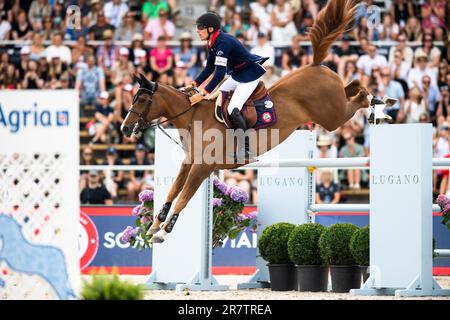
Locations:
{"points": [[153, 230], [159, 236]]}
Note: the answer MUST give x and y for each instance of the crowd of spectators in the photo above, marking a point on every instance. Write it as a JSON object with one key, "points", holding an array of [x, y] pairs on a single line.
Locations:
{"points": [[405, 56]]}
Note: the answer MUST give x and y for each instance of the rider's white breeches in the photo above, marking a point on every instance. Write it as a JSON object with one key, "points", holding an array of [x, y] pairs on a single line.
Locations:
{"points": [[242, 91]]}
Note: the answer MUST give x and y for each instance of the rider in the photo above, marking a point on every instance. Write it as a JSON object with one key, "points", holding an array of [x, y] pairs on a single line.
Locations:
{"points": [[227, 55]]}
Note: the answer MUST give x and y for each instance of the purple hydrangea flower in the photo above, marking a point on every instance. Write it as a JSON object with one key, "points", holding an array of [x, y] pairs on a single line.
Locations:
{"points": [[252, 215], [446, 209], [136, 210], [216, 202], [230, 189], [127, 234], [146, 195], [220, 185], [239, 195], [442, 201], [144, 219]]}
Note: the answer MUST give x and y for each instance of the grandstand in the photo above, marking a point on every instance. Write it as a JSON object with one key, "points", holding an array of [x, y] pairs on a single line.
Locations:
{"points": [[404, 54]]}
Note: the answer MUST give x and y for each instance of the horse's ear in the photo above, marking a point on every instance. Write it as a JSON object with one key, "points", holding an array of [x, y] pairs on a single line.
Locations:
{"points": [[137, 79], [145, 82]]}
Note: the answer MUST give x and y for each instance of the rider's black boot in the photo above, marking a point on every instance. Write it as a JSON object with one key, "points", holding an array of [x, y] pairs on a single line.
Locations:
{"points": [[243, 151]]}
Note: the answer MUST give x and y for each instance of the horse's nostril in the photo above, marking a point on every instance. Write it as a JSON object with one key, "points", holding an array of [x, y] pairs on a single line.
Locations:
{"points": [[126, 130]]}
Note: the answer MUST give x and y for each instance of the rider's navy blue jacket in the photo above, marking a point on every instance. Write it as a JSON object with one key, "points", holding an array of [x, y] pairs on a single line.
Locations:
{"points": [[227, 55]]}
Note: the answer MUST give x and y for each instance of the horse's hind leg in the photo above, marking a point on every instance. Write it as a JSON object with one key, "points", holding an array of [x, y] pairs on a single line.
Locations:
{"points": [[197, 174], [174, 191], [352, 89]]}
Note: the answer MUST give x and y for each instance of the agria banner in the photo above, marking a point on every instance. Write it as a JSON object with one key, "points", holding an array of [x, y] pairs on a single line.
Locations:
{"points": [[102, 248]]}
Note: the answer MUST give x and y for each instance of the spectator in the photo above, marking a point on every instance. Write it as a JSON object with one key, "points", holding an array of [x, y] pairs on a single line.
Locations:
{"points": [[31, 79], [303, 30], [55, 71], [107, 53], [48, 29], [137, 177], [143, 65], [431, 93], [137, 45], [401, 10], [392, 89], [344, 54], [121, 67], [123, 99], [413, 30], [96, 8], [350, 72], [399, 70], [104, 116], [352, 149], [270, 77], [161, 59], [114, 11], [389, 29], [237, 26], [161, 27], [429, 20], [21, 30], [243, 179], [414, 107], [282, 20], [420, 69], [260, 15], [443, 70], [443, 107], [152, 8], [98, 30], [86, 159], [228, 10], [433, 53], [24, 58], [37, 49], [10, 79], [327, 191], [441, 145], [90, 82], [80, 51], [38, 10], [325, 149], [293, 58], [114, 179], [5, 28], [406, 52], [185, 61], [58, 49], [95, 192], [368, 61], [264, 49], [128, 28]]}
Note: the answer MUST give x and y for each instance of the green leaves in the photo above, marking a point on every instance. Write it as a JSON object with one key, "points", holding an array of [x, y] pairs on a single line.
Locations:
{"points": [[360, 246], [272, 243], [303, 244], [103, 287], [334, 244]]}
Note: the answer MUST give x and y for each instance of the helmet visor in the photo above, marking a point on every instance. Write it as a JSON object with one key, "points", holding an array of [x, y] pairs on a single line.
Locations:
{"points": [[201, 26]]}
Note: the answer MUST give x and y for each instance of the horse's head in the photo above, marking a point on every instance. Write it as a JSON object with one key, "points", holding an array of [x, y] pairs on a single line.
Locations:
{"points": [[144, 108]]}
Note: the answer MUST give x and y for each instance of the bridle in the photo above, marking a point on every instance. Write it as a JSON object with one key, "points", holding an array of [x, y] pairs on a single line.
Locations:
{"points": [[142, 116]]}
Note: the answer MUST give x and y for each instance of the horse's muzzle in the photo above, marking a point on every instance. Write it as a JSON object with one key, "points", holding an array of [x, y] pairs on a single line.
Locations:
{"points": [[126, 130]]}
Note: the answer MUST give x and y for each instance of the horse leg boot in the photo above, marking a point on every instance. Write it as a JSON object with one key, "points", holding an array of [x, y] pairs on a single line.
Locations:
{"points": [[243, 151], [197, 175]]}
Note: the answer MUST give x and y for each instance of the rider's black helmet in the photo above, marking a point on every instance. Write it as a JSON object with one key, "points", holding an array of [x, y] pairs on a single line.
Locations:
{"points": [[209, 19]]}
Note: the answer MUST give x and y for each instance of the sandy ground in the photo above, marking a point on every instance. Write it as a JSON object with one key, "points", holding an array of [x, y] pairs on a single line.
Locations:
{"points": [[261, 294]]}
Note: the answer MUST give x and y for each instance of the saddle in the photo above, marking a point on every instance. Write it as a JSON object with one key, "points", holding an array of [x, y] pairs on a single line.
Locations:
{"points": [[248, 111]]}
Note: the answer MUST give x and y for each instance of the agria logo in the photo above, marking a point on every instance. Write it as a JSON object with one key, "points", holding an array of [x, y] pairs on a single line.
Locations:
{"points": [[17, 119]]}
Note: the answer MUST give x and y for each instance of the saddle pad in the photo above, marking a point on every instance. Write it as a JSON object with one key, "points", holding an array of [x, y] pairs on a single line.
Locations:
{"points": [[265, 111]]}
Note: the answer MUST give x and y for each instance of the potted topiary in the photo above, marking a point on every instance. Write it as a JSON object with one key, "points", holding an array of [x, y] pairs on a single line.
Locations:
{"points": [[303, 249], [360, 249], [334, 247], [272, 245]]}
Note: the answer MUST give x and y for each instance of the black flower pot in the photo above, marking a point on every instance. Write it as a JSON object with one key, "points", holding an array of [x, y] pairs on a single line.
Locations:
{"points": [[344, 278], [312, 278], [365, 273], [282, 277]]}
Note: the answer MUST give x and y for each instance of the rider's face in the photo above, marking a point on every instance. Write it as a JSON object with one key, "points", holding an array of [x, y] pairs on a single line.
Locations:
{"points": [[203, 33]]}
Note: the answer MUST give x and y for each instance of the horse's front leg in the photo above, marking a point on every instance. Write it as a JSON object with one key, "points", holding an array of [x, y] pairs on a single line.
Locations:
{"points": [[197, 174], [174, 191]]}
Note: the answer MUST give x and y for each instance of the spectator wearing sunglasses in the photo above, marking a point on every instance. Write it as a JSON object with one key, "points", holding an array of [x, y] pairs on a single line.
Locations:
{"points": [[95, 192]]}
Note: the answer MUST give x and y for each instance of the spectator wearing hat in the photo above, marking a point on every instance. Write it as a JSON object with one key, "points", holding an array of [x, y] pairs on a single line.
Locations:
{"points": [[152, 8], [95, 7], [142, 64], [282, 20], [114, 11], [421, 69], [137, 177], [185, 60], [128, 28], [137, 43], [326, 149], [104, 116], [97, 30], [121, 67], [161, 59], [264, 49], [114, 179], [58, 49], [161, 27], [366, 62], [21, 29], [95, 192], [327, 191], [352, 149], [90, 82]]}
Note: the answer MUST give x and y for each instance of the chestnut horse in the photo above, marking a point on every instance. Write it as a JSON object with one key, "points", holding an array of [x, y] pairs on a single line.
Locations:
{"points": [[313, 93]]}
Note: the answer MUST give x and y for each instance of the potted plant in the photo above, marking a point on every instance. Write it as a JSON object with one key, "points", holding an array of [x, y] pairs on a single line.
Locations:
{"points": [[360, 249], [272, 245], [303, 249], [334, 247]]}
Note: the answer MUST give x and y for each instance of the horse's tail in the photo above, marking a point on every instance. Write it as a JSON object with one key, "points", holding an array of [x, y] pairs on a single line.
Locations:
{"points": [[336, 18]]}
